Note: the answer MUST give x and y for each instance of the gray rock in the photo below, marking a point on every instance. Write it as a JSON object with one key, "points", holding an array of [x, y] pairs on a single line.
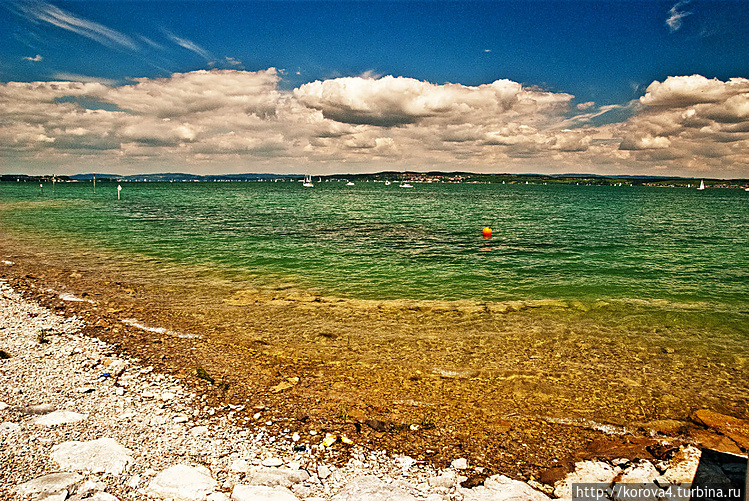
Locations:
{"points": [[103, 455], [501, 488], [272, 462], [49, 484], [371, 488], [272, 477], [261, 493], [183, 483], [58, 417]]}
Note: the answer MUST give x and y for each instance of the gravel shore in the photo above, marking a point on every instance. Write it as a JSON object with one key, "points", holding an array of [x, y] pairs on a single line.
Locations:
{"points": [[68, 403], [78, 421]]}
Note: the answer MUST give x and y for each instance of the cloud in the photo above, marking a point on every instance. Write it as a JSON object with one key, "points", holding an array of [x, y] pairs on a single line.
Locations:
{"points": [[675, 16], [704, 123], [189, 45], [226, 120], [37, 11], [395, 101], [72, 77], [35, 59]]}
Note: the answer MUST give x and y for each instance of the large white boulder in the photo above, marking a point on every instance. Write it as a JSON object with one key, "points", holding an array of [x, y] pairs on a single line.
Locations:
{"points": [[49, 484], [371, 488], [58, 417], [261, 493], [103, 455], [182, 483], [501, 488]]}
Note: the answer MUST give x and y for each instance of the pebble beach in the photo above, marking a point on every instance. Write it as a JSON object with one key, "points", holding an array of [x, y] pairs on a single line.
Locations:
{"points": [[78, 421]]}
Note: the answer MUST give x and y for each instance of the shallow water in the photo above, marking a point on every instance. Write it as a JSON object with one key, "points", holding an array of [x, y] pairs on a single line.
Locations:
{"points": [[618, 304]]}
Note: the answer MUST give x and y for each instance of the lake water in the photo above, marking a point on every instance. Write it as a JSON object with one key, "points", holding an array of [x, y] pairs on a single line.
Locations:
{"points": [[648, 287], [382, 242]]}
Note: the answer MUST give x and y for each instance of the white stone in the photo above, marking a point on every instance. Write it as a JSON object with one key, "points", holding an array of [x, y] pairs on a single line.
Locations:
{"points": [[405, 462], [90, 486], [640, 473], [272, 462], [446, 480], [586, 472], [239, 466], [181, 419], [683, 466], [272, 477], [58, 417], [183, 483], [103, 455], [217, 496], [8, 427], [460, 464], [57, 496], [167, 395], [261, 493], [371, 488], [117, 367], [49, 484], [501, 488], [103, 496], [3, 406], [323, 472], [198, 430]]}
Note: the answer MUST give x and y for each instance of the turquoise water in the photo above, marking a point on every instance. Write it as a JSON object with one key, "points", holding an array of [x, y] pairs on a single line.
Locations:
{"points": [[373, 241]]}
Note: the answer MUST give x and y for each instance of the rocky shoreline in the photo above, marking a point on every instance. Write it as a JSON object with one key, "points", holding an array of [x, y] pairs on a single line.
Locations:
{"points": [[78, 421]]}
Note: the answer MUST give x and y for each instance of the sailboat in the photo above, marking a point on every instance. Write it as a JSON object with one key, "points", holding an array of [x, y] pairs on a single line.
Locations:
{"points": [[308, 182], [702, 185]]}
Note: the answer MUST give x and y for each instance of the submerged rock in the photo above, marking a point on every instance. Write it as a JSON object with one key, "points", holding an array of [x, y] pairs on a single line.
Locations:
{"points": [[734, 428]]}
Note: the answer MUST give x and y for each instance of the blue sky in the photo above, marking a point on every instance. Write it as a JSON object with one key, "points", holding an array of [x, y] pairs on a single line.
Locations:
{"points": [[588, 67]]}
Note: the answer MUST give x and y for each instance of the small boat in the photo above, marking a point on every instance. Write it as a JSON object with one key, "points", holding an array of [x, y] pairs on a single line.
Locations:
{"points": [[350, 183], [702, 185], [406, 185], [387, 183], [308, 182]]}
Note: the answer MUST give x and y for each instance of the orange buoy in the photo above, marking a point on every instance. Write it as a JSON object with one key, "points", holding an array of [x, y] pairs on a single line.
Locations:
{"points": [[487, 232]]}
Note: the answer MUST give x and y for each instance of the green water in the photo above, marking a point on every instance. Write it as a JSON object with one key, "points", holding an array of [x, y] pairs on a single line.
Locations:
{"points": [[649, 317], [374, 241]]}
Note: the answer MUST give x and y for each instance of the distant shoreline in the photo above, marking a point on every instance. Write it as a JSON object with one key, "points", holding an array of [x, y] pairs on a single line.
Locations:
{"points": [[409, 176]]}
